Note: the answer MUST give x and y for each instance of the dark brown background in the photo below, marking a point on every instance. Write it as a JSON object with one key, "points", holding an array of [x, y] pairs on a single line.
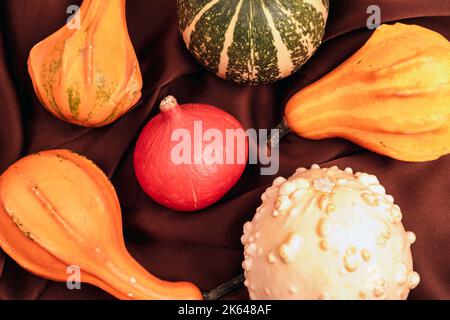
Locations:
{"points": [[204, 247]]}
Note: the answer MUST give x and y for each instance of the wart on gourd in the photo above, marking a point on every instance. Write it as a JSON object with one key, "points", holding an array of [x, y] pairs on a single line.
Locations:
{"points": [[356, 251]]}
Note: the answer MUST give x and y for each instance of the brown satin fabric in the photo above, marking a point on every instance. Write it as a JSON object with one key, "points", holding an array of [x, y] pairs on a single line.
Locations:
{"points": [[205, 247]]}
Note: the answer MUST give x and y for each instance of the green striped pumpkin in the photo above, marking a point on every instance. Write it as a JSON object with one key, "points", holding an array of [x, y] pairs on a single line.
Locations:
{"points": [[252, 41]]}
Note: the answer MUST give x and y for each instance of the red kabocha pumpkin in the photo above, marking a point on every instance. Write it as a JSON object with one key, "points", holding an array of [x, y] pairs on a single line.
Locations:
{"points": [[189, 156]]}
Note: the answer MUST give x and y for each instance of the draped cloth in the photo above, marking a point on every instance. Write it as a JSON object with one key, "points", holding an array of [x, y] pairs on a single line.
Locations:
{"points": [[204, 247]]}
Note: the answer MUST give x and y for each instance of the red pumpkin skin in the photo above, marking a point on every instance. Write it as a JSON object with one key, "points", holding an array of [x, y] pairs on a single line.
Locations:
{"points": [[185, 187]]}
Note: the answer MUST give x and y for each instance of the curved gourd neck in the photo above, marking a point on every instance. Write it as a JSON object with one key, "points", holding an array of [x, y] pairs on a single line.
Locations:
{"points": [[129, 280]]}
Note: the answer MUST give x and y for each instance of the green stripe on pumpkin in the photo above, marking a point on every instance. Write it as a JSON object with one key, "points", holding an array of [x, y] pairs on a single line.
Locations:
{"points": [[207, 40], [74, 100], [191, 8], [252, 24], [289, 16], [265, 31], [49, 76]]}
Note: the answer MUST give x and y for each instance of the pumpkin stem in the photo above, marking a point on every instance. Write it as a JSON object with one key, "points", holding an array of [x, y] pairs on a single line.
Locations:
{"points": [[283, 130], [168, 104], [224, 288]]}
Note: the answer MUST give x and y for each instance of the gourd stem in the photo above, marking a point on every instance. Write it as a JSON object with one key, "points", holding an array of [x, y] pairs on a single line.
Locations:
{"points": [[283, 130], [224, 288], [168, 103]]}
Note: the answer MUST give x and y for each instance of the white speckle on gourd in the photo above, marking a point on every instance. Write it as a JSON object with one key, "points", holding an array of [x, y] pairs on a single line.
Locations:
{"points": [[389, 198], [247, 264], [283, 203], [411, 237], [377, 188], [250, 250], [287, 188], [292, 290], [272, 258], [278, 181], [300, 170], [413, 280], [401, 275], [396, 214]]}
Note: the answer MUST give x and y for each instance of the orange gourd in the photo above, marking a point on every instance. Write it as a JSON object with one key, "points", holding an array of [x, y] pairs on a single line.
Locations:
{"points": [[90, 75], [58, 209], [392, 96]]}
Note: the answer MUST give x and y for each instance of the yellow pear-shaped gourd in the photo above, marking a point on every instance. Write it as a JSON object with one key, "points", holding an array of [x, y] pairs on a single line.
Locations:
{"points": [[392, 96], [88, 74]]}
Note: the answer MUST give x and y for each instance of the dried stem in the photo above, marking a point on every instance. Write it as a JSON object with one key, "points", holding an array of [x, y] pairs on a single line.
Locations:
{"points": [[283, 130], [224, 288]]}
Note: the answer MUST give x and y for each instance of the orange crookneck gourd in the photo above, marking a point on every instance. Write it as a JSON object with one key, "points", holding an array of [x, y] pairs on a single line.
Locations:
{"points": [[90, 75], [392, 97], [58, 209]]}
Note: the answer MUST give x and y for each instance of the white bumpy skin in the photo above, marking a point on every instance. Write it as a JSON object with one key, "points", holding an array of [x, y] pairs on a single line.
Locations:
{"points": [[328, 234]]}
